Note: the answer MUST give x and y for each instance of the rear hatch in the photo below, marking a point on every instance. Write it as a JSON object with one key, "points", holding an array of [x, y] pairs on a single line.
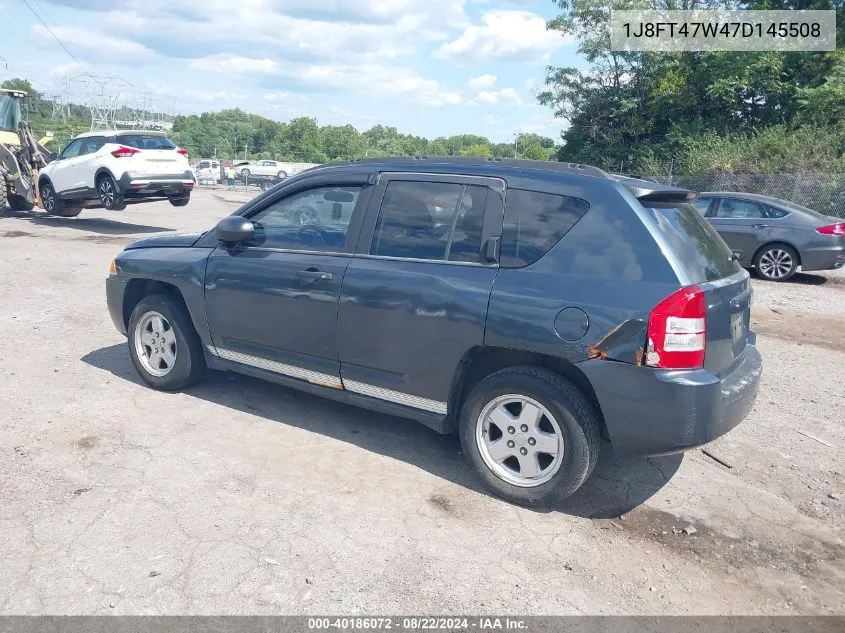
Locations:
{"points": [[156, 154], [707, 262]]}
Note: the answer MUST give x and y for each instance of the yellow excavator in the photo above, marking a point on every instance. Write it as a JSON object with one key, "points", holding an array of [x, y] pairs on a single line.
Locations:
{"points": [[21, 156]]}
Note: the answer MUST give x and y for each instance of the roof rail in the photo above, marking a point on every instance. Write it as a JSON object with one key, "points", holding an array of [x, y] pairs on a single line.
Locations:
{"points": [[547, 165]]}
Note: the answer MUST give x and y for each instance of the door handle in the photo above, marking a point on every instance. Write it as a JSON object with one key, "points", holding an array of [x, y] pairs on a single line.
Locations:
{"points": [[315, 275], [759, 226]]}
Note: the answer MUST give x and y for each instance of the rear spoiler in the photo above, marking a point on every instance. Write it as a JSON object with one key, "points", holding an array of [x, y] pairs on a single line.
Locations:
{"points": [[648, 191]]}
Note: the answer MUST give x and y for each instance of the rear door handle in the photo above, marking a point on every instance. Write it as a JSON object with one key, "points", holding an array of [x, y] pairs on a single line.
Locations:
{"points": [[315, 275], [759, 226]]}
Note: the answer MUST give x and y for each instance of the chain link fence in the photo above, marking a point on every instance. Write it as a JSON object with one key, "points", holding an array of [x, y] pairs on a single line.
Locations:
{"points": [[823, 192]]}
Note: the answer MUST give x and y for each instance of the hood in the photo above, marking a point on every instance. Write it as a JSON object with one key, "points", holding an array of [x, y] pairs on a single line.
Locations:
{"points": [[167, 241]]}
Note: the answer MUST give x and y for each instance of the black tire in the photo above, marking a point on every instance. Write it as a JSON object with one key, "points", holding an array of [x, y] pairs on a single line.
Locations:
{"points": [[189, 365], [578, 422], [180, 201], [776, 262], [50, 200], [245, 173], [281, 175], [109, 194], [3, 192], [19, 203]]}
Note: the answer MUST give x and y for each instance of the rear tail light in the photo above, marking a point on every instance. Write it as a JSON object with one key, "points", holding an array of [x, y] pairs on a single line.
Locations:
{"points": [[184, 152], [833, 229], [124, 152], [677, 329]]}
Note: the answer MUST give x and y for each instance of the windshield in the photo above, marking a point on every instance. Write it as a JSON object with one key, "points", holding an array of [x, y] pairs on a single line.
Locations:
{"points": [[10, 112]]}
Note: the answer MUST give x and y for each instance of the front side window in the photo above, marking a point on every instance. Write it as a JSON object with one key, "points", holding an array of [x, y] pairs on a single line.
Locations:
{"points": [[430, 220], [534, 222], [739, 209], [72, 150], [313, 220]]}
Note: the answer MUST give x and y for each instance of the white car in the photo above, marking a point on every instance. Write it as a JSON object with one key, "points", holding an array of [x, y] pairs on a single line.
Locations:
{"points": [[264, 169], [114, 168], [208, 170]]}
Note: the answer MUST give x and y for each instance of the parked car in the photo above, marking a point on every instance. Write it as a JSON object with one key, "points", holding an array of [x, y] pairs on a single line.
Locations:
{"points": [[561, 305], [775, 236], [263, 168], [208, 170], [114, 168]]}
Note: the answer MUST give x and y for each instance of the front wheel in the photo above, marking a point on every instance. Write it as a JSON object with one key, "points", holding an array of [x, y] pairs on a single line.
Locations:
{"points": [[164, 347], [245, 173], [530, 434], [109, 194], [53, 205], [777, 262]]}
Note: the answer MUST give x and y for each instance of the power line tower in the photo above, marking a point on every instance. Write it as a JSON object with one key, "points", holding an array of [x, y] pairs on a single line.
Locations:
{"points": [[61, 104], [102, 96]]}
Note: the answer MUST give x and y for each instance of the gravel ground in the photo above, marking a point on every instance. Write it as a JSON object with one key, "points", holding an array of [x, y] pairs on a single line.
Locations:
{"points": [[238, 496]]}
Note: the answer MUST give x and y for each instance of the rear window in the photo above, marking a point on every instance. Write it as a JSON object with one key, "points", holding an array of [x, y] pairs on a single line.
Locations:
{"points": [[145, 141], [534, 222], [699, 248]]}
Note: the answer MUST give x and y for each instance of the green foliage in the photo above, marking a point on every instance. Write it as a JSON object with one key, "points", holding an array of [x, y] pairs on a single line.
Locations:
{"points": [[644, 112]]}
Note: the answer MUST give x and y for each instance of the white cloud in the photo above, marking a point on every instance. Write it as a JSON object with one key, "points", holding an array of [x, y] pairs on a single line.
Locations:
{"points": [[504, 35], [73, 68], [94, 45], [234, 64], [482, 82], [396, 80], [490, 97]]}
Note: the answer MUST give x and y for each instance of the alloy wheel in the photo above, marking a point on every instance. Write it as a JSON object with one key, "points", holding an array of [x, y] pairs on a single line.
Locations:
{"points": [[776, 263], [155, 344], [519, 440], [106, 192]]}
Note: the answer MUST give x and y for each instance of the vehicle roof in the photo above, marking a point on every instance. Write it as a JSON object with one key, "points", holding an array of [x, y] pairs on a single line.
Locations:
{"points": [[116, 132], [503, 167]]}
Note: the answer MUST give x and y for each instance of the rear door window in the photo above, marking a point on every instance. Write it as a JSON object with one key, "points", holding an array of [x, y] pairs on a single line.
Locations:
{"points": [[430, 220], [698, 247], [145, 141], [534, 222], [739, 209]]}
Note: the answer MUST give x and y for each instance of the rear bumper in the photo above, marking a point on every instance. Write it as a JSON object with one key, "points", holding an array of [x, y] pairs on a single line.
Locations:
{"points": [[135, 185], [823, 258], [657, 412]]}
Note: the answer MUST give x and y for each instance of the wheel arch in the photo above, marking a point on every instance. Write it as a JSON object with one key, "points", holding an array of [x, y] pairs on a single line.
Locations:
{"points": [[138, 288], [770, 243], [101, 172], [482, 361]]}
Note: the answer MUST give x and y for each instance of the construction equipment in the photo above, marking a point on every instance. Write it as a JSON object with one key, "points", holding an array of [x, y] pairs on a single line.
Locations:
{"points": [[21, 156]]}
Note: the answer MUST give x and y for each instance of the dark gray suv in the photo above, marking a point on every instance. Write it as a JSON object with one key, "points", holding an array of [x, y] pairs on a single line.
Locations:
{"points": [[547, 305]]}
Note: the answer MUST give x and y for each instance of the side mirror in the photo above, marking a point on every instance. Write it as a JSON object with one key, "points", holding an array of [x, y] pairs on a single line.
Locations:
{"points": [[491, 249], [235, 229]]}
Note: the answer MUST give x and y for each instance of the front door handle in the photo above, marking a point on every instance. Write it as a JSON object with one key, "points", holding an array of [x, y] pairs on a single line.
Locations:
{"points": [[315, 275], [760, 226]]}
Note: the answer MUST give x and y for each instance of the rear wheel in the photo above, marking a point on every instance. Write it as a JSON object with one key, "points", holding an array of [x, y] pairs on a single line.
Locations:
{"points": [[109, 194], [180, 201], [245, 173], [530, 434], [776, 262], [281, 175], [164, 347]]}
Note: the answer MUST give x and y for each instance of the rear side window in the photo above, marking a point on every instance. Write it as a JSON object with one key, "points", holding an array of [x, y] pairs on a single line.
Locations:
{"points": [[534, 222], [430, 220], [699, 248], [776, 213], [145, 141]]}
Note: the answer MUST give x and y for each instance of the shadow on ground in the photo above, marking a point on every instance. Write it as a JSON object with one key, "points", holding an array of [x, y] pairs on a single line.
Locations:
{"points": [[100, 226], [616, 487]]}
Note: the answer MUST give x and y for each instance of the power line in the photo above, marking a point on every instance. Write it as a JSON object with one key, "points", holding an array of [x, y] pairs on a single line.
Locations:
{"points": [[55, 37]]}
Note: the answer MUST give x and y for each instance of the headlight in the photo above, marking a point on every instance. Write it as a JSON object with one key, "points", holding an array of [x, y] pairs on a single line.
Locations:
{"points": [[112, 268]]}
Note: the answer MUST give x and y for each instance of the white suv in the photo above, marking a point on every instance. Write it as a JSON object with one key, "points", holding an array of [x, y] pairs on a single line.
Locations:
{"points": [[114, 168]]}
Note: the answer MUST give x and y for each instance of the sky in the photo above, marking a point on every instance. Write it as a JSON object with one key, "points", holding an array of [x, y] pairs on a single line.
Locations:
{"points": [[428, 67]]}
